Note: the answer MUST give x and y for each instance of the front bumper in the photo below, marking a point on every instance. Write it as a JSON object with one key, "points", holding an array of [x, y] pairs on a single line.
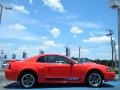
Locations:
{"points": [[108, 76]]}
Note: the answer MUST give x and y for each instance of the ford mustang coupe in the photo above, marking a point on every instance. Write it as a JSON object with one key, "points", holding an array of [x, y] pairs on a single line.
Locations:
{"points": [[53, 68]]}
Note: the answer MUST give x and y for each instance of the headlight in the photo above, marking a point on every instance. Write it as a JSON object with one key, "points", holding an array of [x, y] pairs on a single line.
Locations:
{"points": [[109, 69]]}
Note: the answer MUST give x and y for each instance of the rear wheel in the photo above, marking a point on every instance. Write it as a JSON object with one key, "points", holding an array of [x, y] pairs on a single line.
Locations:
{"points": [[94, 79], [28, 80]]}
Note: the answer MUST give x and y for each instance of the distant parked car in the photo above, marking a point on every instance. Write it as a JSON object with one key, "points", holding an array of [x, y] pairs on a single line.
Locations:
{"points": [[53, 68], [83, 60], [4, 64]]}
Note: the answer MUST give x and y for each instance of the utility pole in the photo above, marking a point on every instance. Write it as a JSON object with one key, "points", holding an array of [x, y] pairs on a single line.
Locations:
{"points": [[111, 40], [115, 57], [1, 11], [115, 4], [79, 51], [115, 54]]}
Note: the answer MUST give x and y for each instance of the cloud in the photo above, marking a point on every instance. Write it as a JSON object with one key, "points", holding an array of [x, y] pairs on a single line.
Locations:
{"points": [[76, 30], [95, 39], [17, 26], [31, 1], [55, 5], [49, 43], [21, 9], [55, 32], [94, 25], [28, 38], [92, 34], [10, 32], [44, 38], [5, 45]]}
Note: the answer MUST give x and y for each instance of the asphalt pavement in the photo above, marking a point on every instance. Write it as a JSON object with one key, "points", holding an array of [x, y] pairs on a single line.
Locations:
{"points": [[7, 85]]}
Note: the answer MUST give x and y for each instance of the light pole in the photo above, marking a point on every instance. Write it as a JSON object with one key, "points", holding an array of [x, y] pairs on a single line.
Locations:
{"points": [[1, 11], [79, 52], [115, 4]]}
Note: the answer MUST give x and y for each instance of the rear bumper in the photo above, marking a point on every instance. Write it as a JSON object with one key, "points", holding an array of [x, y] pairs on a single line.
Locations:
{"points": [[108, 76], [11, 75]]}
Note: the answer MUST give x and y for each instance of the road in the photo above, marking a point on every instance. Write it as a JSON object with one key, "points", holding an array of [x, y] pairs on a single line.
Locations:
{"points": [[7, 85]]}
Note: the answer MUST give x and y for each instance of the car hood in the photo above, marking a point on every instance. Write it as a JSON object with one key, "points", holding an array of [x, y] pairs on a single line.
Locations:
{"points": [[93, 64]]}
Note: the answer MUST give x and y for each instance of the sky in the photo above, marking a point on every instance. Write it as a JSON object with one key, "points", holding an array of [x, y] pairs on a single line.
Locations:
{"points": [[51, 25]]}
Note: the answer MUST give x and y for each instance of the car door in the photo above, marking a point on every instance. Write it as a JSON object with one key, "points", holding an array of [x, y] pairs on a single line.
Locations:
{"points": [[57, 68], [77, 73]]}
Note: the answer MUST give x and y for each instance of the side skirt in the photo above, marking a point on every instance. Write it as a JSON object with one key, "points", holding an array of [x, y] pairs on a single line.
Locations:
{"points": [[64, 79]]}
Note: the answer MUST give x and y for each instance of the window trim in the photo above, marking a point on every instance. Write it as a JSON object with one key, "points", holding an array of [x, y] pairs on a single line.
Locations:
{"points": [[67, 59]]}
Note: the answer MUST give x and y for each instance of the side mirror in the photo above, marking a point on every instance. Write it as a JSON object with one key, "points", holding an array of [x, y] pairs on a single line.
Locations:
{"points": [[71, 63]]}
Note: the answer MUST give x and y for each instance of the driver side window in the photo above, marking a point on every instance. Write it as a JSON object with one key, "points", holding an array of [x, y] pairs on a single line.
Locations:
{"points": [[53, 59], [62, 59]]}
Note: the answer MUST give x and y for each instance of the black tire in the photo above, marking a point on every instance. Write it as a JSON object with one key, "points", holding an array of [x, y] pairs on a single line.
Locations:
{"points": [[94, 79], [28, 80]]}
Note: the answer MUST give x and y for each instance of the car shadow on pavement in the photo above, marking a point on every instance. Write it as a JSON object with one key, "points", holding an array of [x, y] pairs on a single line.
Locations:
{"points": [[16, 85]]}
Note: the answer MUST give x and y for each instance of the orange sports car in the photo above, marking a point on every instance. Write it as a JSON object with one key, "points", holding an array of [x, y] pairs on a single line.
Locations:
{"points": [[53, 68]]}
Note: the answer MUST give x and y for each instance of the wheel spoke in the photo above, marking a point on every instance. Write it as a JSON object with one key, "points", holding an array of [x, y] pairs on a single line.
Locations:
{"points": [[94, 79], [27, 80]]}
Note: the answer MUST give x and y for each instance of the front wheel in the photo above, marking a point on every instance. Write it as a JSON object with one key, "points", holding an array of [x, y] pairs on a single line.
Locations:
{"points": [[94, 79], [28, 80]]}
